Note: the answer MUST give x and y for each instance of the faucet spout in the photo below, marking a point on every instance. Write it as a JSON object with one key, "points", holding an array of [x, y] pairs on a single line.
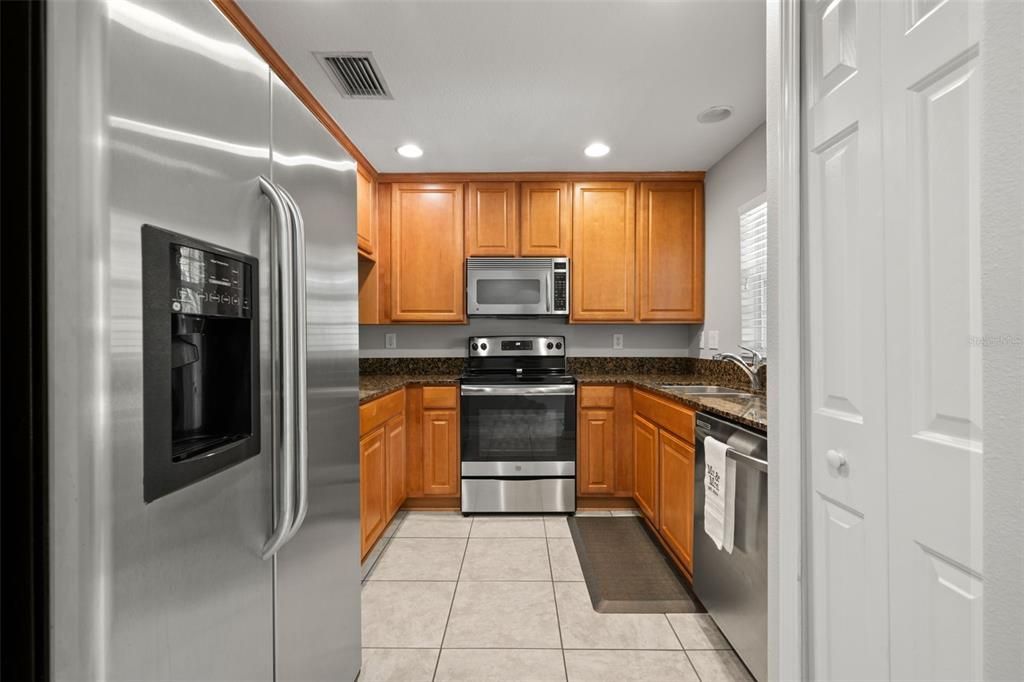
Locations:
{"points": [[751, 372]]}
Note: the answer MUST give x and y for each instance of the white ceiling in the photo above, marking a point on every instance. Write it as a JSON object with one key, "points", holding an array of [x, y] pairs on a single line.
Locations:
{"points": [[521, 85]]}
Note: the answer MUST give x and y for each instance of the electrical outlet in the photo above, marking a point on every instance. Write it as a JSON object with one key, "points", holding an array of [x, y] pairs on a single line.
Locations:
{"points": [[713, 339], [617, 341], [391, 340]]}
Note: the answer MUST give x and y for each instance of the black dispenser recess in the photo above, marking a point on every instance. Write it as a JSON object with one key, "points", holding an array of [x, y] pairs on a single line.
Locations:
{"points": [[200, 345]]}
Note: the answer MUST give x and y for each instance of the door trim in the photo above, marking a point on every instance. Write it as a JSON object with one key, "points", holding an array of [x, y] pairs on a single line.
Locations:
{"points": [[787, 597]]}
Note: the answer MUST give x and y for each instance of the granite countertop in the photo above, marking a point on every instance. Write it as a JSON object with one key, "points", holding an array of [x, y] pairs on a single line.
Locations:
{"points": [[373, 386], [749, 410]]}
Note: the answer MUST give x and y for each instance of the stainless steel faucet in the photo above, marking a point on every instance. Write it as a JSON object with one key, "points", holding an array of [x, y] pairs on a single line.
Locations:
{"points": [[750, 369]]}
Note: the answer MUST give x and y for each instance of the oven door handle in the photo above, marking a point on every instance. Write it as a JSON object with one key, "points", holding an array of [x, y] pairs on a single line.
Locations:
{"points": [[560, 389]]}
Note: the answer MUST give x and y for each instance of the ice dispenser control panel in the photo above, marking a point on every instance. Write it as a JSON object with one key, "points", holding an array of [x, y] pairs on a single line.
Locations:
{"points": [[205, 283]]}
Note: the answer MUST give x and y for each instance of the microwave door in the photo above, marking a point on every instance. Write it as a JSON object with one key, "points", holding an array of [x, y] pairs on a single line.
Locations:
{"points": [[508, 292]]}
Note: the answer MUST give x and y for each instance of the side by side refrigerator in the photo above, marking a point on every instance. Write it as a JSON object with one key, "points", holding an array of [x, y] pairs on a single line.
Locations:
{"points": [[203, 341]]}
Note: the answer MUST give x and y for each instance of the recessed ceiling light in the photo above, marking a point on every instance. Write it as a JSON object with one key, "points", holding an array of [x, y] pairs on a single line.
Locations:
{"points": [[715, 114], [596, 149], [410, 151]]}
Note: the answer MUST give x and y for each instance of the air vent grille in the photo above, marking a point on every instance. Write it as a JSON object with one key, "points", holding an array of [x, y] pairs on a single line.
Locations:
{"points": [[356, 74]]}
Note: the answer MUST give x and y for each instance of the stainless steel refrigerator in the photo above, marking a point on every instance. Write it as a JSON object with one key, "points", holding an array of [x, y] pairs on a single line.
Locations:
{"points": [[205, 509]]}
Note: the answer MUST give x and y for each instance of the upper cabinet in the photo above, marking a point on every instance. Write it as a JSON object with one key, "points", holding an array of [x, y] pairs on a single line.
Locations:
{"points": [[670, 252], [427, 276], [603, 252], [545, 219], [491, 222], [366, 233]]}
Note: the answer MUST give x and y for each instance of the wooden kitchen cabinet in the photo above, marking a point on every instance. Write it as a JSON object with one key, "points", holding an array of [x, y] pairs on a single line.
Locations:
{"points": [[382, 465], [366, 214], [670, 252], [603, 252], [492, 224], [427, 274], [675, 514], [545, 215], [596, 471], [372, 488], [441, 452], [395, 435], [645, 467]]}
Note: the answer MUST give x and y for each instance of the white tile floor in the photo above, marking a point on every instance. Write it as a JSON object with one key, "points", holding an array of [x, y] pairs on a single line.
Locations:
{"points": [[500, 598]]}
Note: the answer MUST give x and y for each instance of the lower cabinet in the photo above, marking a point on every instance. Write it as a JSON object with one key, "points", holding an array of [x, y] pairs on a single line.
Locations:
{"points": [[440, 452], [395, 436], [675, 511], [596, 440], [645, 467], [373, 516]]}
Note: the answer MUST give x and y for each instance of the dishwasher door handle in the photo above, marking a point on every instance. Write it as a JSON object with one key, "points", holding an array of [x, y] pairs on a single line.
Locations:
{"points": [[750, 460]]}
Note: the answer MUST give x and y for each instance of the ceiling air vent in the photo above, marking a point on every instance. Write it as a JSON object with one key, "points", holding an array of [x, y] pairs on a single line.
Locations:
{"points": [[355, 74]]}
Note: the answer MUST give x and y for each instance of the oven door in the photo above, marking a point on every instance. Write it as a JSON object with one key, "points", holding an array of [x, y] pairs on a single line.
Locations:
{"points": [[518, 431], [508, 291]]}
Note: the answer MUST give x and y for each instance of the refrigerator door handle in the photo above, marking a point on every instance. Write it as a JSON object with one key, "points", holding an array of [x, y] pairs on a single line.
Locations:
{"points": [[299, 321], [282, 333]]}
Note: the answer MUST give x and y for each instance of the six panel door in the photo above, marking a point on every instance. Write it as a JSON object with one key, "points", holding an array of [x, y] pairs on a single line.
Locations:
{"points": [[372, 493], [676, 459], [545, 215], [670, 251], [603, 252], [441, 452], [492, 225], [427, 270], [645, 467], [597, 452]]}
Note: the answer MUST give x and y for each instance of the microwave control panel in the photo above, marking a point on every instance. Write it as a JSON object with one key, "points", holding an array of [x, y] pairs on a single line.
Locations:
{"points": [[561, 286]]}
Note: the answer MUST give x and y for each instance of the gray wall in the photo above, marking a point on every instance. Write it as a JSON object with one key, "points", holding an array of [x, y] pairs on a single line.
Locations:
{"points": [[741, 175], [591, 340]]}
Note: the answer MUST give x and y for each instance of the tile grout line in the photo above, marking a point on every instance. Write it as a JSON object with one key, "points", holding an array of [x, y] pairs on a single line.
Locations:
{"points": [[685, 652], [554, 599], [458, 579]]}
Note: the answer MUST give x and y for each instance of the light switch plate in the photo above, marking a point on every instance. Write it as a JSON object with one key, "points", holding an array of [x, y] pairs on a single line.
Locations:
{"points": [[617, 341], [713, 339], [701, 338], [391, 340]]}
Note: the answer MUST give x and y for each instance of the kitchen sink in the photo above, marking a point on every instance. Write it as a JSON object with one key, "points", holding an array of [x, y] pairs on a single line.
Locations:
{"points": [[689, 389]]}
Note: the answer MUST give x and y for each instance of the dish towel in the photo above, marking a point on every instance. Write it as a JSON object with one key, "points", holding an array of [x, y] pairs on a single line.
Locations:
{"points": [[719, 493]]}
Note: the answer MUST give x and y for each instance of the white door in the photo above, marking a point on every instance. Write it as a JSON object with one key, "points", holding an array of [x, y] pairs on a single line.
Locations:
{"points": [[893, 304], [931, 121], [846, 349]]}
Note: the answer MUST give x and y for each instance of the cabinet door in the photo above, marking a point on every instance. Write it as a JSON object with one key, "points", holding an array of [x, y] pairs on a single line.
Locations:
{"points": [[395, 452], [597, 452], [675, 516], [427, 273], [603, 252], [491, 223], [645, 467], [670, 251], [545, 219], [372, 466], [440, 452], [365, 204]]}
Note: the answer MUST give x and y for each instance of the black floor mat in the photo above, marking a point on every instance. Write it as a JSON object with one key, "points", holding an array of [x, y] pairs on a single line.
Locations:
{"points": [[625, 569]]}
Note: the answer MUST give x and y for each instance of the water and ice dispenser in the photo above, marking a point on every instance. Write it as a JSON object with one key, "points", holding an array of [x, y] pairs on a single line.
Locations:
{"points": [[201, 360]]}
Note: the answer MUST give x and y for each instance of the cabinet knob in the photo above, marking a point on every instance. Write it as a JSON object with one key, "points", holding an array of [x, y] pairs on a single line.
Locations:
{"points": [[836, 460]]}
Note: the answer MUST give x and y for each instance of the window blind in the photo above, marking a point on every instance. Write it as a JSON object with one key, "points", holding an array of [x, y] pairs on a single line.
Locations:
{"points": [[754, 275]]}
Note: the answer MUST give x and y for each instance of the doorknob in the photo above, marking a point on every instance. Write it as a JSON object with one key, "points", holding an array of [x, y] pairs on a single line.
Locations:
{"points": [[836, 460]]}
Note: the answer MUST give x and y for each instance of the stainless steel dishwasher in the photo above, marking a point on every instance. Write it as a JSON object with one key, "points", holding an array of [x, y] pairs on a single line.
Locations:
{"points": [[734, 587]]}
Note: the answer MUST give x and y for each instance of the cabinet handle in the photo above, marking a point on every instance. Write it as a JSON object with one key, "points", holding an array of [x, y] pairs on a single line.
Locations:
{"points": [[836, 460]]}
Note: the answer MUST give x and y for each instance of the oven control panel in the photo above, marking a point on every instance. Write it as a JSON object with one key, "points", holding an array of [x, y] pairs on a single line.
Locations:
{"points": [[499, 346]]}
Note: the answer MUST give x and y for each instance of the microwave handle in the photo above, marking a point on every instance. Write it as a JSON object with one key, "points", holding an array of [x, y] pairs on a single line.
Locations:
{"points": [[547, 290]]}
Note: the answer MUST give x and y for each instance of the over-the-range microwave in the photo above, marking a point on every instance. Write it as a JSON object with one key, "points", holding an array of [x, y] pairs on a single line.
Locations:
{"points": [[517, 286]]}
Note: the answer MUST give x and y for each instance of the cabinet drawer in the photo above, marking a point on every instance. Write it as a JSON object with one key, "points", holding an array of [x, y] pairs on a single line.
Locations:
{"points": [[597, 396], [440, 397], [376, 412], [665, 413]]}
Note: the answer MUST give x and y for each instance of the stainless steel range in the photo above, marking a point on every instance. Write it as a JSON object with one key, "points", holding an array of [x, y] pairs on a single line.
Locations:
{"points": [[518, 426]]}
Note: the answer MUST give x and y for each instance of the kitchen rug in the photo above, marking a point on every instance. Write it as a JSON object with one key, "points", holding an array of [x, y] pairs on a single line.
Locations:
{"points": [[626, 570]]}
